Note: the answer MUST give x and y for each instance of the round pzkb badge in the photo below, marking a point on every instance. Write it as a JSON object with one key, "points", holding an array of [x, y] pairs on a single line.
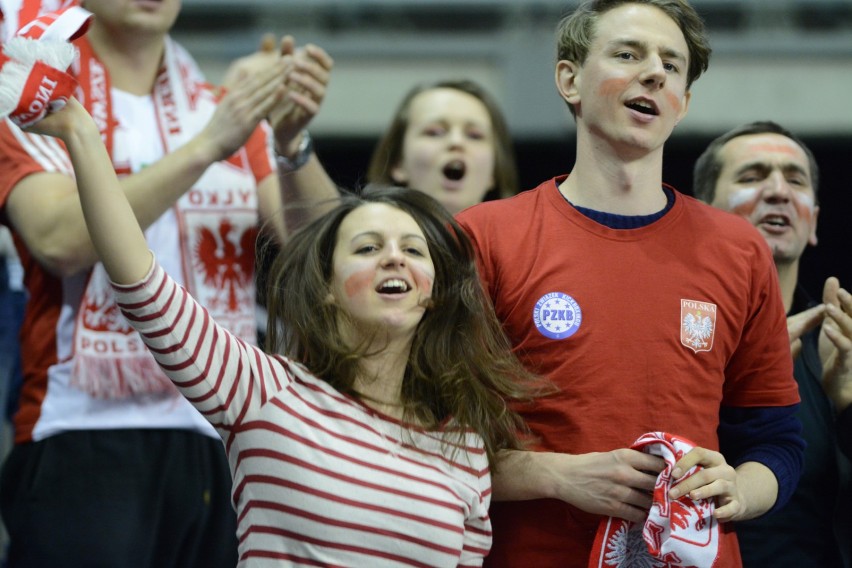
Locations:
{"points": [[557, 315]]}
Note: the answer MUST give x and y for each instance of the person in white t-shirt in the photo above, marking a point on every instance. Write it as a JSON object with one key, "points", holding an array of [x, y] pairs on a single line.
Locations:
{"points": [[110, 462]]}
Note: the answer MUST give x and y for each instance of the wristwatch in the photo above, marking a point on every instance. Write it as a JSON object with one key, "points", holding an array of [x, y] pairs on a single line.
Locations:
{"points": [[303, 154]]}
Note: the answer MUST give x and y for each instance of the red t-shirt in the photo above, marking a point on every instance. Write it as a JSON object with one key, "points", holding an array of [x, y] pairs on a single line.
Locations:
{"points": [[648, 329]]}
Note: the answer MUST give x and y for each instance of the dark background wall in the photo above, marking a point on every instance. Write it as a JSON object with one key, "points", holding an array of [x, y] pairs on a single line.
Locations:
{"points": [[346, 159]]}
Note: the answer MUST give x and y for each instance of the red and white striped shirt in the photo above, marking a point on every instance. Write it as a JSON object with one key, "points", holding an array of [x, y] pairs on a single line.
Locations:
{"points": [[319, 477]]}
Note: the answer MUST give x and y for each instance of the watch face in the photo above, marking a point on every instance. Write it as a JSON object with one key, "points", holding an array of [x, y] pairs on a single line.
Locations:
{"points": [[306, 148]]}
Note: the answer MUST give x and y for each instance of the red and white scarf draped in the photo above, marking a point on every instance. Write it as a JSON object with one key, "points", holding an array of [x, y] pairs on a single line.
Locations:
{"points": [[217, 221], [33, 65], [15, 14], [677, 533]]}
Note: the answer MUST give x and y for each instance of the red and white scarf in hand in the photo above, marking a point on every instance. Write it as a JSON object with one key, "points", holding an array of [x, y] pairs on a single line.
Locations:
{"points": [[217, 212], [33, 65], [678, 533]]}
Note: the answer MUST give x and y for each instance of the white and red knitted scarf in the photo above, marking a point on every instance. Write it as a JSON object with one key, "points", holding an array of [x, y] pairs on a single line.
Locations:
{"points": [[217, 221], [677, 533], [34, 64]]}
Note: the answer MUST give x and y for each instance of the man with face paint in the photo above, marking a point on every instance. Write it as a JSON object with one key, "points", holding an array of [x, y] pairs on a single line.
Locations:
{"points": [[765, 174]]}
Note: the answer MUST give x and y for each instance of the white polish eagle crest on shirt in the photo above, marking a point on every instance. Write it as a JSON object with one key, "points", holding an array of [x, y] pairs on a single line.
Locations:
{"points": [[698, 324]]}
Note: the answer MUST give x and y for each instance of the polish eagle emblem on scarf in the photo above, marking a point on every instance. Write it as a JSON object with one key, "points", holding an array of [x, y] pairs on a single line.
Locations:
{"points": [[226, 260], [698, 324], [677, 533]]}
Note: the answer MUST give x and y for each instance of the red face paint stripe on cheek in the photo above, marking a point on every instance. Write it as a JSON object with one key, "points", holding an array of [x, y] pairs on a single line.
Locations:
{"points": [[612, 87], [745, 209], [358, 282], [675, 101], [424, 284]]}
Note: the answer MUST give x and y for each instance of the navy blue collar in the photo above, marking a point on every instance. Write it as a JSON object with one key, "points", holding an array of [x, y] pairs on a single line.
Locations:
{"points": [[614, 221]]}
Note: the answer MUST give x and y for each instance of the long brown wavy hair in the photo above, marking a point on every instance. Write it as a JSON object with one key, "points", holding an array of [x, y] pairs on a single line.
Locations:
{"points": [[460, 366]]}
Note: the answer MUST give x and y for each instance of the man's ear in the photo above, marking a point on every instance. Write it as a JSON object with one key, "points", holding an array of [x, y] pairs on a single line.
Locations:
{"points": [[568, 81]]}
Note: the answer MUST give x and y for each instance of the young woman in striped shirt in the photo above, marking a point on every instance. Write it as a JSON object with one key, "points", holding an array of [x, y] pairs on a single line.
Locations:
{"points": [[374, 448]]}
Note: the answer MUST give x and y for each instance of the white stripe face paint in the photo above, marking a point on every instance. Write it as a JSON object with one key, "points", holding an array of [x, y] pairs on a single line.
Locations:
{"points": [[741, 197], [804, 201]]}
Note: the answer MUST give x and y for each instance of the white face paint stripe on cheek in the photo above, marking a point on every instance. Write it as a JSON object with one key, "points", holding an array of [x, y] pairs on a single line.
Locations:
{"points": [[741, 197], [805, 200]]}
